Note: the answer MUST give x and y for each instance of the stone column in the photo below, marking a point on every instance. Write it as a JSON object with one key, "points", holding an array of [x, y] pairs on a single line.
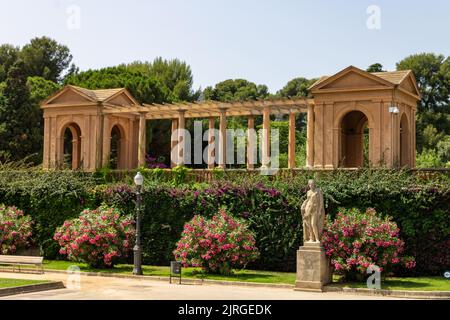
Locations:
{"points": [[291, 150], [46, 156], [310, 138], [106, 141], [129, 143], [54, 142], [395, 139], [181, 137], [211, 143], [75, 152], [318, 141], [99, 140], [265, 147], [251, 143], [328, 142], [173, 144], [223, 139], [413, 138], [141, 140]]}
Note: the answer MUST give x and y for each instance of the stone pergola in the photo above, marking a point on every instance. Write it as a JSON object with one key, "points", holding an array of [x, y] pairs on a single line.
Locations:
{"points": [[342, 109]]}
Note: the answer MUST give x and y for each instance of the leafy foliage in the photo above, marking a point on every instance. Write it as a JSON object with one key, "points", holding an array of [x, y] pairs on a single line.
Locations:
{"points": [[143, 87], [271, 206], [236, 90], [297, 87], [46, 58], [356, 240], [19, 119], [174, 75], [376, 67], [97, 237], [217, 245], [50, 198], [8, 56], [15, 229], [432, 73]]}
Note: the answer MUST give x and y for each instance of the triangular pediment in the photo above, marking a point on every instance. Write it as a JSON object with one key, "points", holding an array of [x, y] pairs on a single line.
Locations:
{"points": [[410, 85], [122, 98], [73, 95], [351, 78], [68, 95]]}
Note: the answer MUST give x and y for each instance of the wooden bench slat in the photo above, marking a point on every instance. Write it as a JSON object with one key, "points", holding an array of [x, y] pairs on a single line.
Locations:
{"points": [[21, 259]]}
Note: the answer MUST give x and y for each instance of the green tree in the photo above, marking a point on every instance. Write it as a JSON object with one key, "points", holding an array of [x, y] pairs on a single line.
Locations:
{"points": [[149, 82], [19, 119], [40, 89], [432, 73], [236, 90], [145, 88], [46, 58], [8, 55], [431, 137], [428, 159], [443, 150], [297, 87], [376, 67], [174, 75]]}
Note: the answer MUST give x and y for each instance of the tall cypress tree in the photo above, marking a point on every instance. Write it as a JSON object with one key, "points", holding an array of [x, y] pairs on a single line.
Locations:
{"points": [[19, 119]]}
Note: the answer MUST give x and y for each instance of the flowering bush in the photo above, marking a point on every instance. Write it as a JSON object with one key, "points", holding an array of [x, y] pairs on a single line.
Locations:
{"points": [[98, 237], [15, 229], [355, 240], [155, 162], [119, 195], [217, 245]]}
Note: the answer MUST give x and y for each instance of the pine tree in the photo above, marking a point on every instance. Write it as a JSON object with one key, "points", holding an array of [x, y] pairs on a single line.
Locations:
{"points": [[19, 119]]}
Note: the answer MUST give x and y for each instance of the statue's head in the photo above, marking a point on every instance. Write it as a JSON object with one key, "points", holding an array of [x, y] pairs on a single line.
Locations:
{"points": [[312, 184]]}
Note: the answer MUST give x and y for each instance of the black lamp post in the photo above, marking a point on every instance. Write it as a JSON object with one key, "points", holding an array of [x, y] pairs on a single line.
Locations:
{"points": [[138, 181]]}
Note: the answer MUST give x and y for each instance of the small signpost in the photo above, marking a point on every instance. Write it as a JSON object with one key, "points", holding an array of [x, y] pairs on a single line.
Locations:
{"points": [[175, 270]]}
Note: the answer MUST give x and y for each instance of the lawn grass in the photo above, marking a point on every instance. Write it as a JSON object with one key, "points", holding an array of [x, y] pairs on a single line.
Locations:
{"points": [[9, 283], [405, 284], [410, 284], [192, 273]]}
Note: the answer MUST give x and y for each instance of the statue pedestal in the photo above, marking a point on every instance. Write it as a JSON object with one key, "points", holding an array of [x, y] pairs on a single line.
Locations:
{"points": [[313, 268]]}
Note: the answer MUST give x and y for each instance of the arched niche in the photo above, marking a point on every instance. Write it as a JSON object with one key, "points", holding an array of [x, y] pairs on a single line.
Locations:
{"points": [[354, 141], [118, 151], [70, 148]]}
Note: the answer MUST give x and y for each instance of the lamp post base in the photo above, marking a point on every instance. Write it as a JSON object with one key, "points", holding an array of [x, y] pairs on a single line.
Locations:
{"points": [[137, 270]]}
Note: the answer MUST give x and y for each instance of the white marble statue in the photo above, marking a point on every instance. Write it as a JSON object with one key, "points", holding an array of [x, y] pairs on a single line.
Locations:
{"points": [[313, 214]]}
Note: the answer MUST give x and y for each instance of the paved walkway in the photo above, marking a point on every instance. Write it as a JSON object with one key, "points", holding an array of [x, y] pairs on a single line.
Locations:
{"points": [[107, 288]]}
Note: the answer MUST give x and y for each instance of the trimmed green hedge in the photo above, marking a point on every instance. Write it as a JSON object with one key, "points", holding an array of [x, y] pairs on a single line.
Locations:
{"points": [[421, 208]]}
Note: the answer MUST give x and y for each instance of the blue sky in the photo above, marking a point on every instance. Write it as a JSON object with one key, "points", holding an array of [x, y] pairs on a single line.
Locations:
{"points": [[265, 41]]}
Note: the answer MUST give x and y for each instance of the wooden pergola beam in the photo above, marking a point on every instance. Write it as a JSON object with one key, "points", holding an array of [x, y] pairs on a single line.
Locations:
{"points": [[213, 108]]}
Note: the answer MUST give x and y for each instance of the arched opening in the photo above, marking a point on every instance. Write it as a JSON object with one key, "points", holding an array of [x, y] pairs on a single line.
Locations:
{"points": [[71, 157], [354, 141], [404, 142], [117, 152]]}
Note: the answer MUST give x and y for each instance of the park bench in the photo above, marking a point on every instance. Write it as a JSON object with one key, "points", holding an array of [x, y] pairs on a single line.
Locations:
{"points": [[22, 261]]}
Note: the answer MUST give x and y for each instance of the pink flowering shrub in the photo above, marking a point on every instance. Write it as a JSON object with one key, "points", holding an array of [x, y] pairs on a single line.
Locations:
{"points": [[355, 240], [15, 229], [98, 237], [216, 245]]}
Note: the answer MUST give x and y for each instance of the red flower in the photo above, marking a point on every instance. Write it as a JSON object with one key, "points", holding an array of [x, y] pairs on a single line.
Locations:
{"points": [[96, 237], [218, 245]]}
